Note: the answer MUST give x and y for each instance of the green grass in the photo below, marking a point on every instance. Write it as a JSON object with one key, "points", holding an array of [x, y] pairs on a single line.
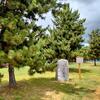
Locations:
{"points": [[45, 87]]}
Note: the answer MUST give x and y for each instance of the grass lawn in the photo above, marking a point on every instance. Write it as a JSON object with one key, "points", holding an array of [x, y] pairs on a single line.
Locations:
{"points": [[45, 87]]}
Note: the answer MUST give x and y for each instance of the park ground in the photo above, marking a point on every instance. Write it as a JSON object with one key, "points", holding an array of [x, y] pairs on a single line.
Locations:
{"points": [[45, 87]]}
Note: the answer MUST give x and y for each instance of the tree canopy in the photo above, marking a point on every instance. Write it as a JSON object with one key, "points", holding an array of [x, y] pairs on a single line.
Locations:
{"points": [[17, 42], [94, 42], [66, 35]]}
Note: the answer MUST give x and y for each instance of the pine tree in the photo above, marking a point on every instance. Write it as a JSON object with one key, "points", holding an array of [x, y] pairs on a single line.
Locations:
{"points": [[66, 36], [94, 42], [17, 43]]}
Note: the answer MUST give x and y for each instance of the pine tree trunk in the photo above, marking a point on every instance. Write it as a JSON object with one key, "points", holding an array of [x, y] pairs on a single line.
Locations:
{"points": [[12, 81], [94, 62]]}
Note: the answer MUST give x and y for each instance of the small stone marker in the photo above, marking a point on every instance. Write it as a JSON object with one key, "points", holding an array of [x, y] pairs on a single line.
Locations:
{"points": [[62, 70]]}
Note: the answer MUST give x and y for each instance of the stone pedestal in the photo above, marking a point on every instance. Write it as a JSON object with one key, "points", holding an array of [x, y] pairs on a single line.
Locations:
{"points": [[62, 70]]}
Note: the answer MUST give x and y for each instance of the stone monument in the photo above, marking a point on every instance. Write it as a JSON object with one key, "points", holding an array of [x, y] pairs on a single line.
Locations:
{"points": [[62, 70]]}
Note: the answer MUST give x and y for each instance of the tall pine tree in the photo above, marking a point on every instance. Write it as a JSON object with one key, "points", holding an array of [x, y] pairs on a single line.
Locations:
{"points": [[16, 40], [66, 36], [94, 42]]}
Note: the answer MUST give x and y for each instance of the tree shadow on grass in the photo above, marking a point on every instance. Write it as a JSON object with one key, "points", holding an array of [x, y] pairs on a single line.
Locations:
{"points": [[98, 65], [75, 70], [36, 88], [43, 85]]}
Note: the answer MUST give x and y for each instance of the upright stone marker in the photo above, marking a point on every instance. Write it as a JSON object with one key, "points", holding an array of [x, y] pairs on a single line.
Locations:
{"points": [[62, 70]]}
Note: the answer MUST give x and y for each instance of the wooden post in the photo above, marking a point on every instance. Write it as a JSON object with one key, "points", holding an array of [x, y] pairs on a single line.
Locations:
{"points": [[79, 61], [79, 71]]}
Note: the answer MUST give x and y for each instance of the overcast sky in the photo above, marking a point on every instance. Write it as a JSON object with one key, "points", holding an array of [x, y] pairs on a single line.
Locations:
{"points": [[89, 9]]}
